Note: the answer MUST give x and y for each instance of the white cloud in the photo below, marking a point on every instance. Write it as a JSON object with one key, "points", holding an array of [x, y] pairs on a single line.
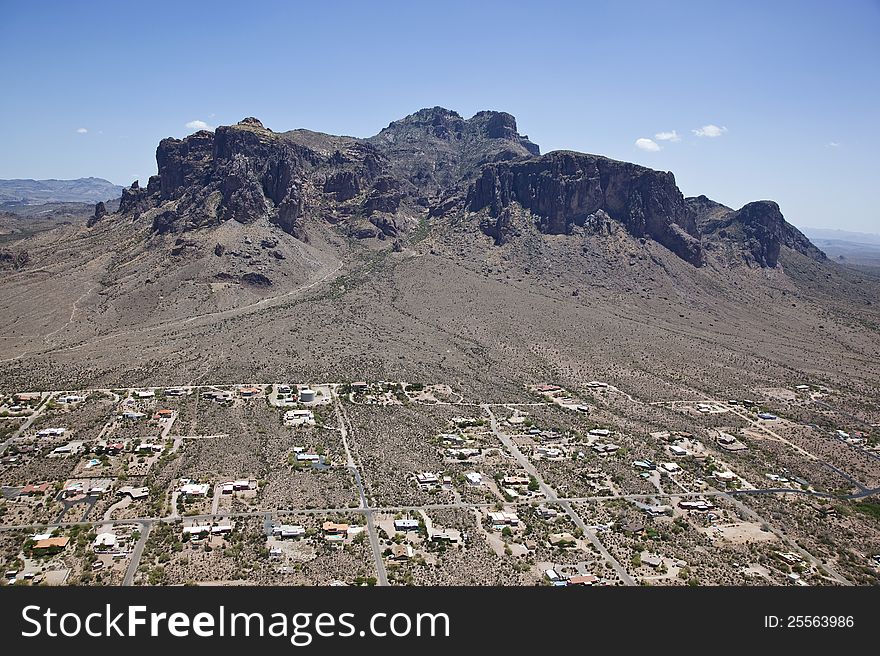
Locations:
{"points": [[710, 131], [198, 125], [647, 144], [834, 144], [81, 130], [667, 136]]}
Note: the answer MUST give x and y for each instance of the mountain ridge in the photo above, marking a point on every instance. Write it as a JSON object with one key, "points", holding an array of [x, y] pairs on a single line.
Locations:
{"points": [[28, 191], [434, 164]]}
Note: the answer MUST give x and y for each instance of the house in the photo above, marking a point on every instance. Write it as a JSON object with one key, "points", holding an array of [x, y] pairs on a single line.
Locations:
{"points": [[104, 542], [133, 415], [586, 579], [164, 414], [474, 478], [725, 476], [52, 543], [600, 432], [114, 448], [334, 532], [135, 493], [544, 389], [546, 513], [502, 519], [404, 525], [147, 447], [644, 464], [195, 489], [427, 479], [71, 398], [248, 392], [359, 386], [51, 432], [145, 394], [515, 481], [677, 450], [652, 561], [596, 384], [655, 510], [68, 449], [670, 467], [288, 531], [767, 415], [299, 418], [30, 489], [175, 391], [634, 526], [445, 536], [401, 551], [699, 505], [549, 452], [562, 539], [308, 457], [552, 575], [197, 531]]}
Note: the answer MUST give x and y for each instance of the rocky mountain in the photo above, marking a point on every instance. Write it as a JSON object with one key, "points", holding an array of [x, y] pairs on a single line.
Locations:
{"points": [[442, 248], [436, 165], [37, 192]]}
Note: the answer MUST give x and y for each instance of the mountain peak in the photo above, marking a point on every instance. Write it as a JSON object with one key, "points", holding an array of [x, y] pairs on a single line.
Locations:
{"points": [[252, 122]]}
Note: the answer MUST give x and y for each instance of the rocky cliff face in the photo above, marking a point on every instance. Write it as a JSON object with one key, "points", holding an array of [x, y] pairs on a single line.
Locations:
{"points": [[436, 164], [565, 189]]}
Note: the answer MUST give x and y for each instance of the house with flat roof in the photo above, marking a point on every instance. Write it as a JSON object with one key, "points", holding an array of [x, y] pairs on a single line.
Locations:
{"points": [[134, 492], [288, 531], [104, 542], [427, 479], [404, 525], [502, 519], [190, 489]]}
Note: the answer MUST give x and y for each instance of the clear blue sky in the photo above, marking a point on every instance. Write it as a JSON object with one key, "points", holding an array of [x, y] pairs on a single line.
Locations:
{"points": [[791, 88]]}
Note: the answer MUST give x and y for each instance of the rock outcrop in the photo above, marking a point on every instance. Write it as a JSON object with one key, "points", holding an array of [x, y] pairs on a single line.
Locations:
{"points": [[565, 189], [757, 229], [100, 213]]}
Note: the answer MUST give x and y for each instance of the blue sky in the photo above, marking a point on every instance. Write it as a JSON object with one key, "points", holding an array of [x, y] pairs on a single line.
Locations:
{"points": [[791, 90]]}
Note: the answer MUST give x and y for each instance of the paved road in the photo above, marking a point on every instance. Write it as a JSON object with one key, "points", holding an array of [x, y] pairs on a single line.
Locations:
{"points": [[372, 532], [551, 497], [136, 554]]}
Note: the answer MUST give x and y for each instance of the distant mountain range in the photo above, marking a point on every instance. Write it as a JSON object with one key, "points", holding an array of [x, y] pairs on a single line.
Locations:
{"points": [[827, 234], [38, 192]]}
